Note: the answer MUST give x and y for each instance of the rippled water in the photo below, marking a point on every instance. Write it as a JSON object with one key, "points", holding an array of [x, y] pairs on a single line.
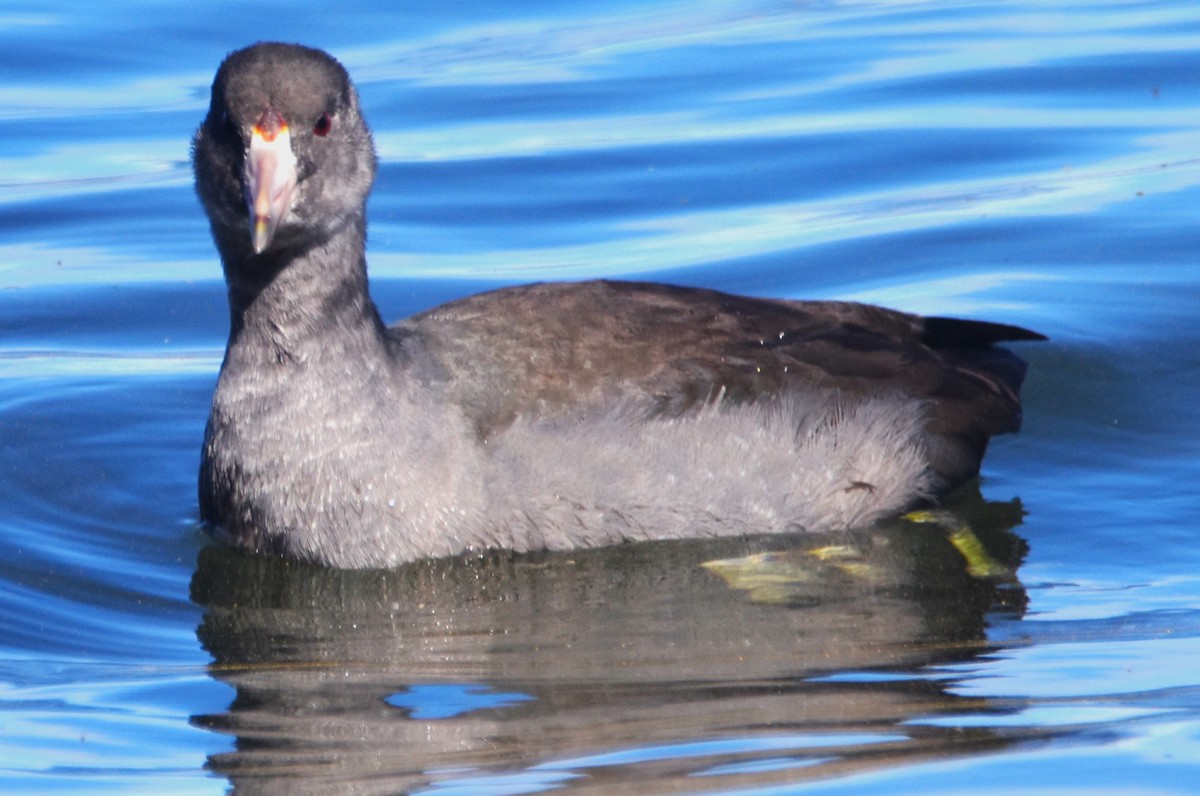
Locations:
{"points": [[1028, 163]]}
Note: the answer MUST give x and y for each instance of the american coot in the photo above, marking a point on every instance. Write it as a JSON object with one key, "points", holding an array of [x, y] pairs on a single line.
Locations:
{"points": [[545, 416]]}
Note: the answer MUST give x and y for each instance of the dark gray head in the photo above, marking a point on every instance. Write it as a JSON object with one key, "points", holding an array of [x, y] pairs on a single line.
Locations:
{"points": [[283, 160]]}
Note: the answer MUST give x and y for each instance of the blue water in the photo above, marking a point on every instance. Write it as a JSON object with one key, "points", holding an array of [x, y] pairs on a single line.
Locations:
{"points": [[1024, 162]]}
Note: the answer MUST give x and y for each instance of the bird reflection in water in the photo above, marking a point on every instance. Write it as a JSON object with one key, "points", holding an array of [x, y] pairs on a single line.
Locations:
{"points": [[808, 662]]}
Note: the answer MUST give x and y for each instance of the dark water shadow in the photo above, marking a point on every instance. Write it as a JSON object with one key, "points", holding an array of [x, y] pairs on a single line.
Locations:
{"points": [[636, 666]]}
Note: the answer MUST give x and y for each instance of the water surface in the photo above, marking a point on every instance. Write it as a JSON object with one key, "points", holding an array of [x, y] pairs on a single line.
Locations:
{"points": [[1022, 162]]}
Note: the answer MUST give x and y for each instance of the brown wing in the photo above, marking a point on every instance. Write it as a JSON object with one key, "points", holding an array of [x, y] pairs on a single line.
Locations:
{"points": [[547, 347]]}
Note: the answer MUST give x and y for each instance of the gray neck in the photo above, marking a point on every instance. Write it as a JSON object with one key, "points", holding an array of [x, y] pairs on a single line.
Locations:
{"points": [[297, 304]]}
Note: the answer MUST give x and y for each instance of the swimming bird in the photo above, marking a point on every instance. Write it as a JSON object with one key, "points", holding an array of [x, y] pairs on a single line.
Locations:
{"points": [[544, 416]]}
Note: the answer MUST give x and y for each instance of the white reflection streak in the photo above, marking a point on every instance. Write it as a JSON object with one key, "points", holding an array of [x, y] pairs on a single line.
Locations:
{"points": [[67, 364]]}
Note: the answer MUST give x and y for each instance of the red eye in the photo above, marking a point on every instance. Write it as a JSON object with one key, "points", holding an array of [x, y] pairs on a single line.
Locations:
{"points": [[323, 124]]}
